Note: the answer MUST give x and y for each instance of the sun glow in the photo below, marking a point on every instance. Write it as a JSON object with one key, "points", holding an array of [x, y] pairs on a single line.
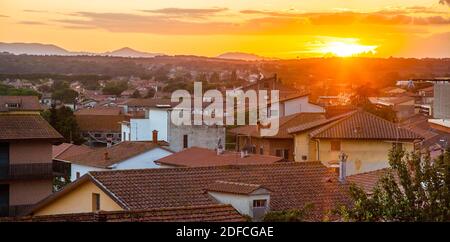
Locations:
{"points": [[346, 49]]}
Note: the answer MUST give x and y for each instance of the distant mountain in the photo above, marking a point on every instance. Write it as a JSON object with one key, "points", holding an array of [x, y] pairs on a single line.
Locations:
{"points": [[32, 49], [241, 56], [128, 52], [46, 49]]}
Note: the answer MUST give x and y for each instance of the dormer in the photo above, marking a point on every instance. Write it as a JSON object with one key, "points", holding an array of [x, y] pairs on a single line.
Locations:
{"points": [[248, 199], [13, 105]]}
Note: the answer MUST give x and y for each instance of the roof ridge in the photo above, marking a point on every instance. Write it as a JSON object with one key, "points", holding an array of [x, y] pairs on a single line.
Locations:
{"points": [[321, 122], [399, 125], [64, 150], [333, 123], [210, 167], [237, 183], [367, 172], [108, 191]]}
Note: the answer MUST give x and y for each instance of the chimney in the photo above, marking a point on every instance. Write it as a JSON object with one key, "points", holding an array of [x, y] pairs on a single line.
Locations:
{"points": [[106, 157], [155, 136], [219, 151], [342, 166], [242, 154]]}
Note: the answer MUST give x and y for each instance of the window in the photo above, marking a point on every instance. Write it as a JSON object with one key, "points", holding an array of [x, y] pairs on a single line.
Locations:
{"points": [[261, 150], [278, 153], [185, 141], [253, 149], [78, 174], [304, 157], [4, 199], [12, 105], [95, 202], [286, 154], [335, 145], [124, 136], [97, 135], [260, 203], [4, 159]]}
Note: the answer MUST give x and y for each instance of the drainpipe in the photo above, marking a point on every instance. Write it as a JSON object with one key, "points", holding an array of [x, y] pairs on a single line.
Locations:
{"points": [[317, 148], [342, 166]]}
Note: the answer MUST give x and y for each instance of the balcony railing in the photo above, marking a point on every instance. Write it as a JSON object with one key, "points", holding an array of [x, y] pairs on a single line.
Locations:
{"points": [[26, 171], [11, 211]]}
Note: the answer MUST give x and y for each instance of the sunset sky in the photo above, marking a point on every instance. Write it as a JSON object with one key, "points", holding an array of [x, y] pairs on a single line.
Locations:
{"points": [[272, 28]]}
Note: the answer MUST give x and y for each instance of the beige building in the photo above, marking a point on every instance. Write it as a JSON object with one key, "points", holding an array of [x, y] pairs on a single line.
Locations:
{"points": [[364, 137]]}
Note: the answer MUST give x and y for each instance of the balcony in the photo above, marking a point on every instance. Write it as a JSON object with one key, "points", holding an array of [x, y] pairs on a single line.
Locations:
{"points": [[26, 171], [11, 211]]}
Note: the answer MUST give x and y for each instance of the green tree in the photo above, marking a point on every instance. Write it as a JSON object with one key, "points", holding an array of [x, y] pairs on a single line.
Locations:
{"points": [[291, 215], [415, 189], [65, 95], [63, 120], [6, 90], [59, 182], [115, 87]]}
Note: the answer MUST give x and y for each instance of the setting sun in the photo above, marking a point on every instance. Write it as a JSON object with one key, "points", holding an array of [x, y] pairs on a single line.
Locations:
{"points": [[344, 49]]}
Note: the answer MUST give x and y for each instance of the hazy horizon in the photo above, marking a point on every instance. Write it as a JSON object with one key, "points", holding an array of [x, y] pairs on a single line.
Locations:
{"points": [[269, 28]]}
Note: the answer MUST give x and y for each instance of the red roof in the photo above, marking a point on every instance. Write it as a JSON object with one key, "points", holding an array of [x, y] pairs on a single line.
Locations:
{"points": [[363, 125], [285, 124], [26, 103], [23, 127], [116, 153], [147, 102], [208, 213], [197, 157], [64, 150], [100, 111], [367, 180], [233, 187], [291, 184], [315, 124]]}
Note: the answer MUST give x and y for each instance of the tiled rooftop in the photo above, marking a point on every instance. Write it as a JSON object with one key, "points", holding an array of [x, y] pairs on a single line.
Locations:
{"points": [[292, 185], [196, 157], [363, 125], [116, 153], [23, 127]]}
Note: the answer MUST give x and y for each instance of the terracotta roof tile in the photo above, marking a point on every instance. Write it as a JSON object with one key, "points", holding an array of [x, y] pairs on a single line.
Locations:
{"points": [[317, 123], [64, 150], [208, 213], [233, 187], [367, 180], [363, 125], [147, 102], [292, 185], [100, 111], [197, 157], [116, 153], [100, 123], [26, 103], [24, 127], [285, 124]]}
